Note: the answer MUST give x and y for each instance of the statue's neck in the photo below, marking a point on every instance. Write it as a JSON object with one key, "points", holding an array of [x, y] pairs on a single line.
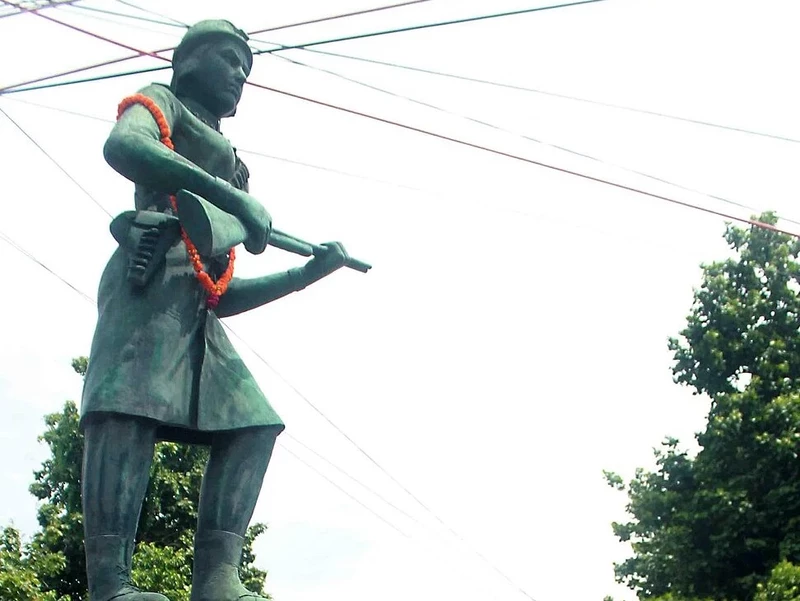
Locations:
{"points": [[201, 112]]}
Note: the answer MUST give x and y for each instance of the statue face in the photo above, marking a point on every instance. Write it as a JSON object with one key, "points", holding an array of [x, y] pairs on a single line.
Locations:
{"points": [[215, 75]]}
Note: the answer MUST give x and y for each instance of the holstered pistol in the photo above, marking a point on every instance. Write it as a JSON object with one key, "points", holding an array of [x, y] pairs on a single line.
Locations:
{"points": [[147, 236]]}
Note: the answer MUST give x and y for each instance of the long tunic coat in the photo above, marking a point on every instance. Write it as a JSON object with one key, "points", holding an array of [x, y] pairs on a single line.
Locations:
{"points": [[158, 353]]}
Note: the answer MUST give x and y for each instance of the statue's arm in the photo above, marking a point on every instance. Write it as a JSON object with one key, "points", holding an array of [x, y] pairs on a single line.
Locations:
{"points": [[134, 149], [245, 294]]}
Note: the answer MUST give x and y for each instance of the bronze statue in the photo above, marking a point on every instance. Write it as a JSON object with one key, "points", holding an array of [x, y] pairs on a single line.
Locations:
{"points": [[161, 366]]}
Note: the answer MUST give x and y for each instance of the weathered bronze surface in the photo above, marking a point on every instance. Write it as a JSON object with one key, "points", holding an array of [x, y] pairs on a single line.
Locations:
{"points": [[161, 366]]}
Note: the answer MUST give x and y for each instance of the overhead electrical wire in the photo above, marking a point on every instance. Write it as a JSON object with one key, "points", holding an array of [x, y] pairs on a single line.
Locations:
{"points": [[50, 4], [554, 94], [19, 248], [106, 16], [244, 151], [16, 246], [340, 16], [526, 137], [357, 481], [236, 335], [8, 240], [55, 162], [416, 189], [113, 13], [465, 142], [27, 86], [152, 12], [92, 301], [95, 78], [307, 48], [355, 499], [138, 55], [91, 33], [367, 455], [362, 36], [156, 53], [751, 222], [523, 159], [386, 472]]}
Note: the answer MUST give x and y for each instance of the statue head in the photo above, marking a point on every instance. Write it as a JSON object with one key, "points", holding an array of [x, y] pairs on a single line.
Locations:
{"points": [[211, 64]]}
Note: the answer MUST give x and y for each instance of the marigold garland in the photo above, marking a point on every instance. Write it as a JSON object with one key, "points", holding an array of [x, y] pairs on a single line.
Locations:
{"points": [[214, 289]]}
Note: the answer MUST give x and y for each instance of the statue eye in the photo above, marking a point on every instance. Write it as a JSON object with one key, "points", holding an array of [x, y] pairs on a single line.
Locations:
{"points": [[232, 58]]}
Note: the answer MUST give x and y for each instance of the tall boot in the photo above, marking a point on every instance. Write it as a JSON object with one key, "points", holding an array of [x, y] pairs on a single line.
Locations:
{"points": [[232, 481], [108, 566], [217, 557], [118, 452]]}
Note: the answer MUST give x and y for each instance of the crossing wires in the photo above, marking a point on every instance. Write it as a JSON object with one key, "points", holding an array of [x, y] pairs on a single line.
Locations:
{"points": [[156, 53], [459, 141]]}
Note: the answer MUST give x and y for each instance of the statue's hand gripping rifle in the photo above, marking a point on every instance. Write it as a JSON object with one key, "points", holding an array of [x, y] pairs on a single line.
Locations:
{"points": [[148, 235], [279, 239]]}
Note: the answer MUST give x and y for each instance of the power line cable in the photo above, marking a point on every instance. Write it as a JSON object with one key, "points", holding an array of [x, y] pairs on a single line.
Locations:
{"points": [[99, 14], [7, 89], [19, 248], [244, 151], [524, 136], [354, 479], [373, 34], [338, 429], [114, 13], [459, 141], [91, 33], [315, 166], [524, 159], [341, 16], [96, 78], [25, 84], [55, 162], [154, 13], [321, 475], [554, 94], [17, 9], [378, 465], [22, 87], [562, 148], [308, 47]]}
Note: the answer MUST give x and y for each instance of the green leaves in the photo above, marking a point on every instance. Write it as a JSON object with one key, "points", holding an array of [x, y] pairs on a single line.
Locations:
{"points": [[783, 584], [54, 559], [744, 317], [714, 525], [19, 578]]}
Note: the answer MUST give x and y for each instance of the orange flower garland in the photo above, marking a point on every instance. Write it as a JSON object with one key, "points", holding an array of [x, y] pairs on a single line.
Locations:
{"points": [[214, 289]]}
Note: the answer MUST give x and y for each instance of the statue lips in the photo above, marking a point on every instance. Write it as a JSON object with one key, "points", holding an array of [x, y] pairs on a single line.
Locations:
{"points": [[235, 91]]}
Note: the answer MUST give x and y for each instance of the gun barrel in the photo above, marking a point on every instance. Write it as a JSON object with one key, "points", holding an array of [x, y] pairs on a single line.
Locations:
{"points": [[289, 243]]}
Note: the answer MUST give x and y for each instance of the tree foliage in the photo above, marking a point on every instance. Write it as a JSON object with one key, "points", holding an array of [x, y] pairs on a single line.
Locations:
{"points": [[19, 578], [54, 559], [783, 584], [714, 525]]}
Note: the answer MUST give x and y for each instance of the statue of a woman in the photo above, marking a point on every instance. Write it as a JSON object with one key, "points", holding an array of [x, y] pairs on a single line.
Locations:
{"points": [[161, 366]]}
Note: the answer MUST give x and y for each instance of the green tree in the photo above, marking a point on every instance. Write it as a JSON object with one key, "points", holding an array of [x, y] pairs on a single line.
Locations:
{"points": [[163, 556], [783, 584], [19, 580], [714, 525]]}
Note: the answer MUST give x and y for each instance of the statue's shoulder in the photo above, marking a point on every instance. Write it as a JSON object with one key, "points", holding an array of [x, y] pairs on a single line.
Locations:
{"points": [[165, 99]]}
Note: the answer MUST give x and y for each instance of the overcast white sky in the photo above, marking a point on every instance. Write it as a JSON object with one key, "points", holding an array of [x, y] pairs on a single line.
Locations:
{"points": [[510, 342]]}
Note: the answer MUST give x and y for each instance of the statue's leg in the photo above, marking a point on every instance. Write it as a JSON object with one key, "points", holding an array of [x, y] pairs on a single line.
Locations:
{"points": [[231, 486], [117, 455]]}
